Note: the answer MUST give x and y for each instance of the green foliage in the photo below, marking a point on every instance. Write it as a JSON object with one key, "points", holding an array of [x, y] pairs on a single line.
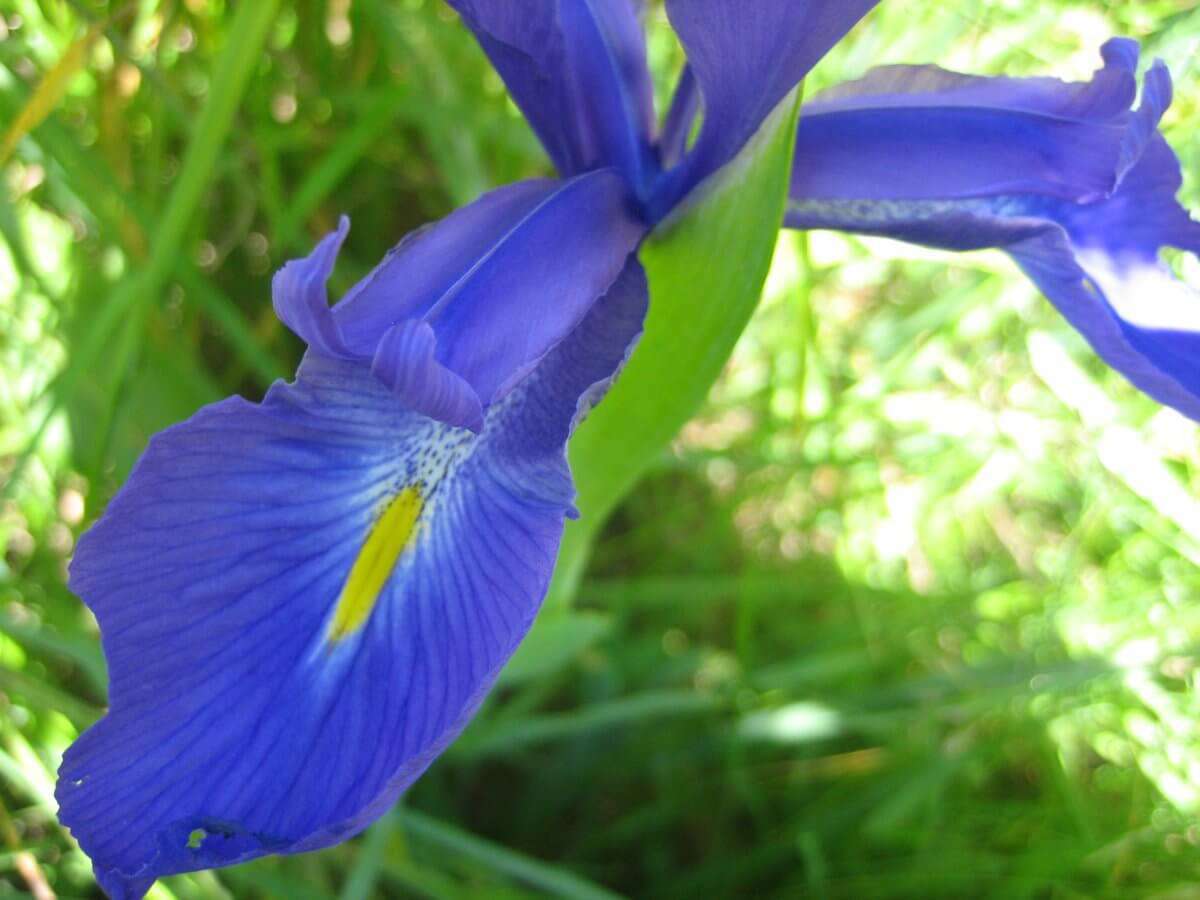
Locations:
{"points": [[906, 611], [705, 264]]}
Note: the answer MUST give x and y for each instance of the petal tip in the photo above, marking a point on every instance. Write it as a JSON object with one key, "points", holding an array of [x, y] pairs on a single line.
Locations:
{"points": [[1121, 53], [406, 363], [300, 298]]}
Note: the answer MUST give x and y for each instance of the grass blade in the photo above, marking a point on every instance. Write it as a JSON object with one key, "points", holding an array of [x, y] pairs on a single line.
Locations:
{"points": [[48, 93], [553, 880]]}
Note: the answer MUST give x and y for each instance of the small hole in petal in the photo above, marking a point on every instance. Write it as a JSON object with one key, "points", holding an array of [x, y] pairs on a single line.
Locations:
{"points": [[196, 838]]}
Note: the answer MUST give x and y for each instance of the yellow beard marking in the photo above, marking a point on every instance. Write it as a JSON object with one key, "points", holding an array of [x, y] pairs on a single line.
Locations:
{"points": [[392, 532]]}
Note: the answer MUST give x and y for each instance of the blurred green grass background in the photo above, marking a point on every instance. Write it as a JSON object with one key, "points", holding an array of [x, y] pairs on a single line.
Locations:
{"points": [[909, 611]]}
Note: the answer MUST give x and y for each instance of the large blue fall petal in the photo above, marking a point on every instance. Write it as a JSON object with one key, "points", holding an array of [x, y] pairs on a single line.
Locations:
{"points": [[745, 58], [494, 285], [253, 711], [1069, 180], [577, 69]]}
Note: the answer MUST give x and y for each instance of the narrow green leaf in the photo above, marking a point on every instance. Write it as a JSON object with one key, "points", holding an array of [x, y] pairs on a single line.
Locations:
{"points": [[652, 706], [80, 650], [551, 879], [364, 874], [225, 313], [121, 216], [247, 34], [706, 265], [128, 303], [47, 696], [335, 165], [48, 93]]}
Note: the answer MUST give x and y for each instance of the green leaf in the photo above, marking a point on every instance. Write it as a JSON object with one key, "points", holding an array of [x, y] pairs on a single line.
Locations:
{"points": [[462, 845], [231, 76], [49, 92], [625, 712], [554, 642], [706, 264], [325, 175], [123, 315], [363, 875]]}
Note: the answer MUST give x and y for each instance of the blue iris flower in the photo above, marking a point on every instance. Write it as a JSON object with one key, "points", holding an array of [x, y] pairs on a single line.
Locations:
{"points": [[303, 601], [1071, 180]]}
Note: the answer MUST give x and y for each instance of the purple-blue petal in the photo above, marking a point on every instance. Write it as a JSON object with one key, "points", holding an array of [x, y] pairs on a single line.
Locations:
{"points": [[613, 92], [299, 296], [236, 728], [430, 261], [526, 47], [1078, 189], [405, 360], [1110, 92], [495, 285], [535, 285], [681, 118], [965, 136], [577, 69], [1157, 93], [746, 57], [1117, 243]]}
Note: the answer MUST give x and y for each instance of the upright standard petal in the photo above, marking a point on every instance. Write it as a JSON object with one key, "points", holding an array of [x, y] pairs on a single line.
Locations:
{"points": [[681, 117], [1077, 187], [746, 57], [577, 69], [303, 602], [493, 286]]}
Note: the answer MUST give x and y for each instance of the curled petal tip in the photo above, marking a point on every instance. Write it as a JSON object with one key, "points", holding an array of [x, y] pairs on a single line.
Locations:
{"points": [[1121, 52], [300, 298], [1142, 126], [405, 361]]}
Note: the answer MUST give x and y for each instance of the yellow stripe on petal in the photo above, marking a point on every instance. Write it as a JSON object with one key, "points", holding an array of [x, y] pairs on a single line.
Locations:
{"points": [[391, 534]]}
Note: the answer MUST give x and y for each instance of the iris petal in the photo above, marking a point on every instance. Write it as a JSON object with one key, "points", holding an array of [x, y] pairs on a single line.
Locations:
{"points": [[577, 69], [613, 93], [967, 136], [746, 57], [528, 291], [242, 722], [1111, 91], [300, 298], [677, 128], [495, 286], [428, 262], [1078, 188], [405, 361]]}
